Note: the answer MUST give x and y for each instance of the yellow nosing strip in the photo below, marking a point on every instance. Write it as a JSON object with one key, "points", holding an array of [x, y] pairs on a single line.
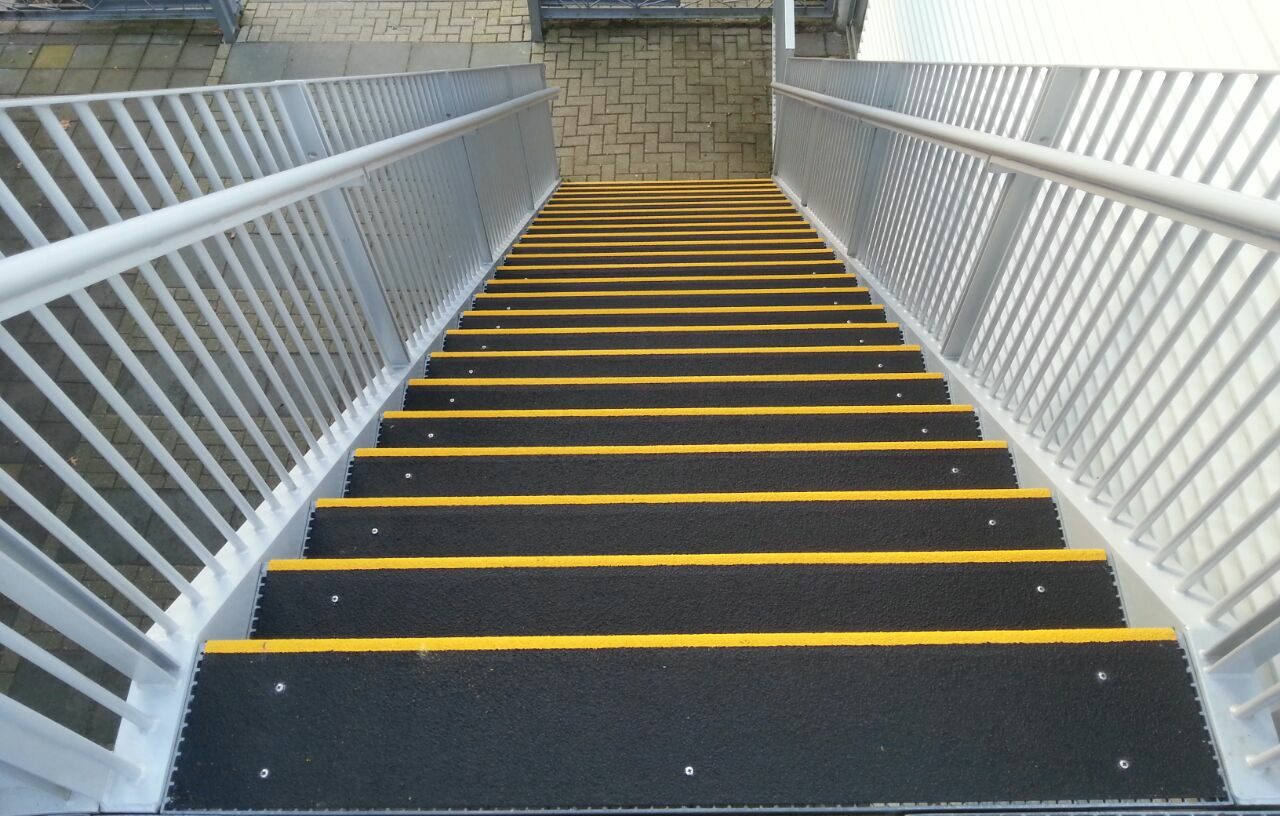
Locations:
{"points": [[644, 200], [828, 276], [688, 560], [667, 233], [754, 410], [794, 290], [677, 253], [853, 307], [687, 221], [674, 182], [447, 382], [663, 329], [675, 450], [684, 265], [683, 228], [666, 352], [788, 497], [708, 641], [736, 242], [727, 208]]}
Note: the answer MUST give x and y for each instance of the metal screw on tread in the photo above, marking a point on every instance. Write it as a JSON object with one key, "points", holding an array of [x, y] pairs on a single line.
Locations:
{"points": [[264, 773], [279, 687]]}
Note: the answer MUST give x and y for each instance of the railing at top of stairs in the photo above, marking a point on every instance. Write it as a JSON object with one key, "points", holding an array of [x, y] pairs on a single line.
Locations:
{"points": [[218, 291], [226, 13], [1089, 255]]}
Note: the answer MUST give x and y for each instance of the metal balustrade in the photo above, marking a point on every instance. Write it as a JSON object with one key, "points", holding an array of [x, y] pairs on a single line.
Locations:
{"points": [[208, 299], [1089, 255]]}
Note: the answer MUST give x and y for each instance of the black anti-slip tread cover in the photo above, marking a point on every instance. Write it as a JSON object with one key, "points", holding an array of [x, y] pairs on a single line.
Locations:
{"points": [[648, 300], [671, 395], [553, 474], [686, 599], [658, 364], [623, 529], [625, 283], [726, 256], [526, 319], [818, 727], [674, 430], [884, 335]]}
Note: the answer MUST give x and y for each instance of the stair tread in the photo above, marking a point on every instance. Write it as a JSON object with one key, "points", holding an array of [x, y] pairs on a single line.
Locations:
{"points": [[675, 426], [732, 593], [708, 361], [423, 727], [622, 524]]}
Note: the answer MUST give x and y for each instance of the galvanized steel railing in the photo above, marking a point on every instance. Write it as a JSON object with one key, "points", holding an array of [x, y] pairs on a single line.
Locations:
{"points": [[207, 300], [1090, 253]]}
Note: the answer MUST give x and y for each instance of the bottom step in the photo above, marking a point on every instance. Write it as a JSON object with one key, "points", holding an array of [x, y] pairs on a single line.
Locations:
{"points": [[830, 721]]}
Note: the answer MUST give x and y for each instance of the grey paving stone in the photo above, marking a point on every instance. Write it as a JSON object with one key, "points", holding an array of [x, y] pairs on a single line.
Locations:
{"points": [[163, 55], [114, 79], [17, 56], [310, 60], [11, 80], [90, 56], [439, 56], [150, 79], [78, 80], [256, 62], [485, 54], [377, 58], [191, 78], [40, 82], [125, 55], [196, 55]]}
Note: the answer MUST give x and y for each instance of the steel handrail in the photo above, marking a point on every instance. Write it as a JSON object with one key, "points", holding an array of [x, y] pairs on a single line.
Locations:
{"points": [[46, 273], [1235, 215]]}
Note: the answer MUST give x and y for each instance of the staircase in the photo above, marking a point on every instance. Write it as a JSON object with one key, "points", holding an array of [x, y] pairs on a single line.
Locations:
{"points": [[677, 520]]}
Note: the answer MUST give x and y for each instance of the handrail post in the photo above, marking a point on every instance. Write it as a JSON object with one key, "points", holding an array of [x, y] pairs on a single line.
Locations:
{"points": [[227, 15], [535, 20], [1061, 90], [348, 239]]}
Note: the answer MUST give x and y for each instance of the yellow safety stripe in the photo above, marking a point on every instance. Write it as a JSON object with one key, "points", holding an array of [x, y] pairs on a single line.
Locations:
{"points": [[676, 182], [678, 254], [688, 560], [853, 307], [685, 228], [675, 450], [664, 329], [668, 233], [706, 641], [689, 220], [651, 199], [755, 410], [786, 497], [727, 208], [672, 278], [814, 240], [665, 352], [659, 380], [640, 293], [686, 265]]}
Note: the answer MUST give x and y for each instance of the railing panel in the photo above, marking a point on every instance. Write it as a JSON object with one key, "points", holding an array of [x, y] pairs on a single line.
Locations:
{"points": [[208, 299], [1128, 325]]}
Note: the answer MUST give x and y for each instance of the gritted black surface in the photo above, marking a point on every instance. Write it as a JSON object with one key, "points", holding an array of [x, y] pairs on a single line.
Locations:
{"points": [[687, 599], [879, 336], [658, 364], [674, 395], [621, 529], [650, 728], [725, 256], [650, 243], [627, 283], [649, 300], [679, 473], [658, 430], [524, 319]]}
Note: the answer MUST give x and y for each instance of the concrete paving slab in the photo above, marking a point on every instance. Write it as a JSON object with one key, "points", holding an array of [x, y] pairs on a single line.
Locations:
{"points": [[486, 54], [310, 60], [256, 62], [439, 56], [377, 58]]}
